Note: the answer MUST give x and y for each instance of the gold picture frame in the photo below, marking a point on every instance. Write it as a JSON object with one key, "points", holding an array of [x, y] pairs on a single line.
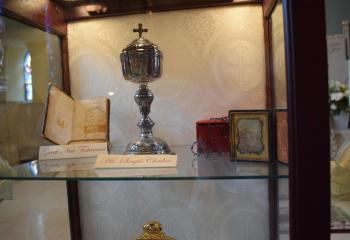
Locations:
{"points": [[250, 135]]}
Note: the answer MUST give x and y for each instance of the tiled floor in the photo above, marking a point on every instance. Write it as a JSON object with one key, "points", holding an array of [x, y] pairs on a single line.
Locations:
{"points": [[38, 212]]}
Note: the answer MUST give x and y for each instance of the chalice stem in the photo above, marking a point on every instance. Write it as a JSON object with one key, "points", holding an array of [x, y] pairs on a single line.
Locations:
{"points": [[144, 98]]}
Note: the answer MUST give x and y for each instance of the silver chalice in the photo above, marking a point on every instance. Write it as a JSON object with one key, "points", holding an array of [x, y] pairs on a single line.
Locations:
{"points": [[141, 63]]}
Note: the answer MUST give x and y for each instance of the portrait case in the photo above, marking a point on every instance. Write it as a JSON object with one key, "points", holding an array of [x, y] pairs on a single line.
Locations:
{"points": [[250, 135]]}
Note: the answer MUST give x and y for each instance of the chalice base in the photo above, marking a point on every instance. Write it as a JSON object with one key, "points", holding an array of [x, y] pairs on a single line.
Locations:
{"points": [[148, 145]]}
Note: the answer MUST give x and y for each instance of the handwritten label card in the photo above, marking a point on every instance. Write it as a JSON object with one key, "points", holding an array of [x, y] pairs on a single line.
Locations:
{"points": [[136, 161], [68, 164], [135, 172], [72, 151]]}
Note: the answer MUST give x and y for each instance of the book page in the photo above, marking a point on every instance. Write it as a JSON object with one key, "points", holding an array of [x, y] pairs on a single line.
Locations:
{"points": [[90, 120], [59, 115]]}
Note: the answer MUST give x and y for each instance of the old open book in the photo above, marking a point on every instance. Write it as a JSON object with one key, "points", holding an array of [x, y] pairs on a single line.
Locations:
{"points": [[75, 121]]}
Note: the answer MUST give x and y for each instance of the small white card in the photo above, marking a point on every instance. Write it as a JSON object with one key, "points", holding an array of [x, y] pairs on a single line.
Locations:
{"points": [[136, 172], [136, 161], [72, 151], [68, 164]]}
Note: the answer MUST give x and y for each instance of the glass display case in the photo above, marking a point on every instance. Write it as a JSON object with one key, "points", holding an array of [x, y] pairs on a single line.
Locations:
{"points": [[218, 56], [205, 190]]}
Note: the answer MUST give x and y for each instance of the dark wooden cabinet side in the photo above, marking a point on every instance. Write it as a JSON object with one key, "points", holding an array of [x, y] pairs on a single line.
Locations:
{"points": [[307, 81], [308, 117]]}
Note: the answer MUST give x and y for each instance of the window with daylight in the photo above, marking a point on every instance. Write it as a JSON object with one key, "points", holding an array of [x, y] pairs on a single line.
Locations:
{"points": [[28, 87]]}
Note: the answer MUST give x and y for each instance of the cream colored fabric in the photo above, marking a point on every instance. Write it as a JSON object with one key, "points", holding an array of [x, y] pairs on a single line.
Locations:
{"points": [[344, 161], [340, 172], [6, 186]]}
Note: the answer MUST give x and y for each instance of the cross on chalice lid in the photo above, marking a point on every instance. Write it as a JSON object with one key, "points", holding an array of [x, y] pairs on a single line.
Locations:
{"points": [[140, 30]]}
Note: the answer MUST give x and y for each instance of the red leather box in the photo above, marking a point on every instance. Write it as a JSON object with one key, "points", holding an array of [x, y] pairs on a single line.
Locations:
{"points": [[213, 136]]}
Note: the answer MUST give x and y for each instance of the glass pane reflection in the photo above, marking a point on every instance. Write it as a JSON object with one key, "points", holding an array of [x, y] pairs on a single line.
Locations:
{"points": [[29, 59]]}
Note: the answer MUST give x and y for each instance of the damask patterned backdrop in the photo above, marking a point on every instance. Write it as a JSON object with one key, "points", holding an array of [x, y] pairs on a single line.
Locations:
{"points": [[213, 62], [189, 210]]}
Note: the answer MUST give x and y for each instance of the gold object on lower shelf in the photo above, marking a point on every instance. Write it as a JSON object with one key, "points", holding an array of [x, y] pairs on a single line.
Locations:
{"points": [[153, 231]]}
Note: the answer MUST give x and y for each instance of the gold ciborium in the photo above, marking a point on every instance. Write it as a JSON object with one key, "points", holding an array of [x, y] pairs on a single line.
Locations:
{"points": [[153, 231]]}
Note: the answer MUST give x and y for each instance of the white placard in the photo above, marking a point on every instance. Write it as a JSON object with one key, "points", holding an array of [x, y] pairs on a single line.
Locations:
{"points": [[136, 172], [72, 151], [68, 164], [136, 161]]}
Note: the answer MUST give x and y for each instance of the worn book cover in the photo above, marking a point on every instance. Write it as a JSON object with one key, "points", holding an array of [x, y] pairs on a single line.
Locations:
{"points": [[75, 121]]}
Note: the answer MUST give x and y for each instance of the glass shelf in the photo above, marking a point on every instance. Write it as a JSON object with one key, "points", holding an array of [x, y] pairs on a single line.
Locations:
{"points": [[190, 167]]}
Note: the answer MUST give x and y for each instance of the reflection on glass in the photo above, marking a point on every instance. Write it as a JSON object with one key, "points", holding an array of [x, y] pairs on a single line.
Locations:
{"points": [[28, 88], [30, 58], [279, 80], [337, 19], [278, 58], [283, 209]]}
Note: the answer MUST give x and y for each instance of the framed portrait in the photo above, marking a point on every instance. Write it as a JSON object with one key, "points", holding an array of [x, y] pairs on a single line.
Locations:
{"points": [[281, 126], [250, 135]]}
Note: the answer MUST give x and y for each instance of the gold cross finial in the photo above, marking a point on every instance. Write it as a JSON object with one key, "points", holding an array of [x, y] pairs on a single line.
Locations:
{"points": [[140, 30]]}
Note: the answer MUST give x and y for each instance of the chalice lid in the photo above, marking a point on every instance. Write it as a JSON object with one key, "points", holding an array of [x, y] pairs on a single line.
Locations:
{"points": [[141, 45]]}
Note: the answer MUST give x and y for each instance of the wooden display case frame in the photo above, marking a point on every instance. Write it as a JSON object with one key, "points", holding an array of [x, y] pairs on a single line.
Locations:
{"points": [[306, 65]]}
